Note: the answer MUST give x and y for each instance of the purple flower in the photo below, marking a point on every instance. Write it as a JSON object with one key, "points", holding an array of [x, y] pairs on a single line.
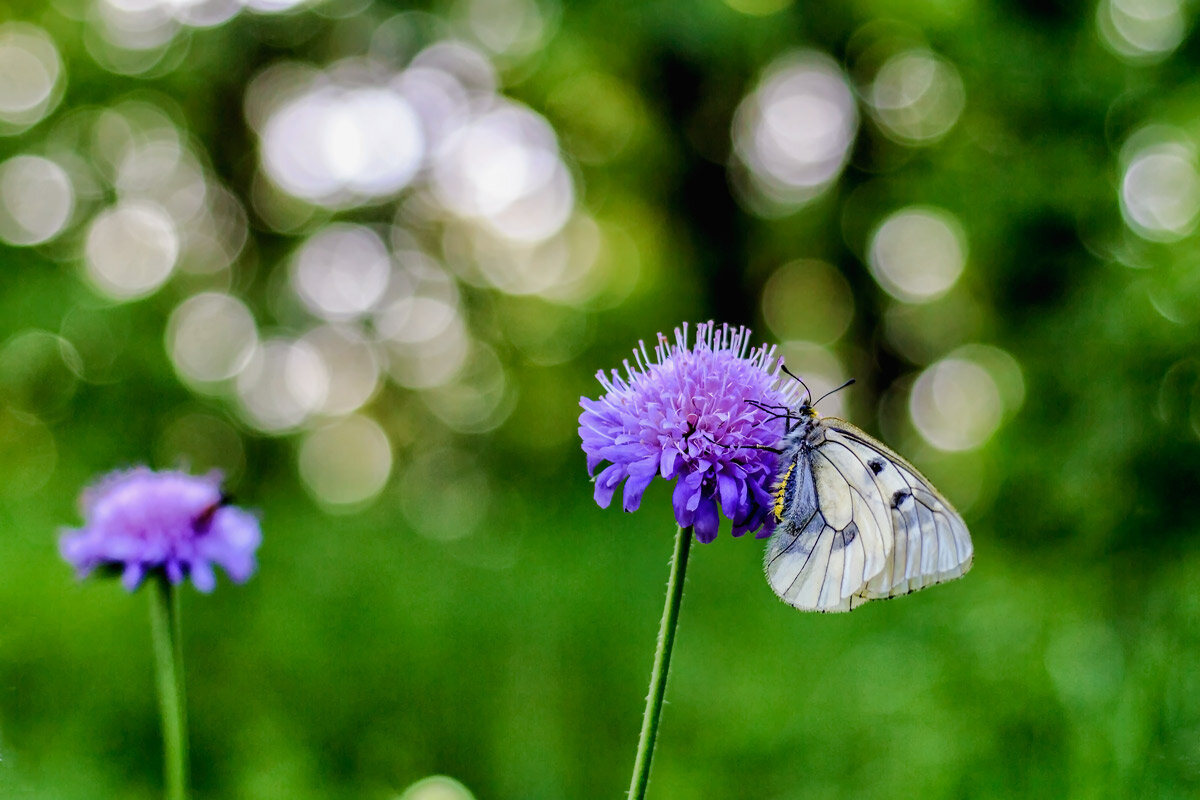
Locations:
{"points": [[685, 416], [138, 520]]}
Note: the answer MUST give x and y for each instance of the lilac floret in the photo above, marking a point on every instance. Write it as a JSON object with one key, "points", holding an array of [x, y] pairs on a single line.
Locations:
{"points": [[137, 521], [685, 415]]}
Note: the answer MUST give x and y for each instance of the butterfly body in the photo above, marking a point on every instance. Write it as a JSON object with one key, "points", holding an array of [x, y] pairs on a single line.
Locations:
{"points": [[854, 521]]}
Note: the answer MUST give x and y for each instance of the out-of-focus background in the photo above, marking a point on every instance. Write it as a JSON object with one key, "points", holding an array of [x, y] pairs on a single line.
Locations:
{"points": [[365, 258]]}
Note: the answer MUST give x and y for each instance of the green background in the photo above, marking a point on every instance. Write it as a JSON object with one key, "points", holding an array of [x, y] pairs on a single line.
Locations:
{"points": [[364, 656]]}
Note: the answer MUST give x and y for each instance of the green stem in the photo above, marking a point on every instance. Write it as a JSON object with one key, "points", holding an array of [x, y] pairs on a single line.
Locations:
{"points": [[168, 659], [662, 663]]}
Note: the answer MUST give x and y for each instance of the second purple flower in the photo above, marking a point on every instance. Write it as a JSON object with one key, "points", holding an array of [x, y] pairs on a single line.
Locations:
{"points": [[137, 521]]}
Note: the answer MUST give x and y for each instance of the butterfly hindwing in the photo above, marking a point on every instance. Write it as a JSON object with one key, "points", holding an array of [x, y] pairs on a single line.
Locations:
{"points": [[930, 540], [859, 523]]}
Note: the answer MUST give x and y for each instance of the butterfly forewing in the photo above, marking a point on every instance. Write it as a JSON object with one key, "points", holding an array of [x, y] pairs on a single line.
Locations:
{"points": [[839, 464], [818, 558], [861, 523]]}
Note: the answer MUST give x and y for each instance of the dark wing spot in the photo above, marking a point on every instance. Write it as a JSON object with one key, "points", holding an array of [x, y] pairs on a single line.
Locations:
{"points": [[876, 465], [899, 497], [845, 537]]}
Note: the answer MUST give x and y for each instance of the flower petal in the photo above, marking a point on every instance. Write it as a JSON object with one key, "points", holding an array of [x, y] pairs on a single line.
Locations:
{"points": [[640, 475], [667, 462], [202, 577], [606, 484], [681, 501], [131, 576], [707, 522], [695, 482], [761, 496], [768, 528], [731, 494]]}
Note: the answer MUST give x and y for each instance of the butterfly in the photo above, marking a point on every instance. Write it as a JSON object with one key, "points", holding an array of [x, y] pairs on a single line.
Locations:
{"points": [[854, 521]]}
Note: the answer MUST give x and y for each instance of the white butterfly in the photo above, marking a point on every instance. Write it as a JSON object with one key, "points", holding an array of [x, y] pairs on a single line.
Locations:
{"points": [[853, 520]]}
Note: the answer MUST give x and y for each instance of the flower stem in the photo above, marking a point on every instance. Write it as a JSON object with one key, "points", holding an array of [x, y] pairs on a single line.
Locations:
{"points": [[168, 658], [662, 663]]}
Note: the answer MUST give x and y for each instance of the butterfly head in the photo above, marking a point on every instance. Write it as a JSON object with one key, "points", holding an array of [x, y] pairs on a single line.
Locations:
{"points": [[806, 409], [803, 421], [804, 426]]}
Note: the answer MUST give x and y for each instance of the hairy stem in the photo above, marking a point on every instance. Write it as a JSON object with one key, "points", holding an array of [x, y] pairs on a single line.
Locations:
{"points": [[662, 664]]}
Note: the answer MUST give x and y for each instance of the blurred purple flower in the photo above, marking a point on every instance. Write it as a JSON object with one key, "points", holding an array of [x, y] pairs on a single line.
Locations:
{"points": [[685, 416], [137, 521]]}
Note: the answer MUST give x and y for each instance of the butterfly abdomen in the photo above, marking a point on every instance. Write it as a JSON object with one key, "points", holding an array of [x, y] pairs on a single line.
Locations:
{"points": [[784, 490], [795, 494]]}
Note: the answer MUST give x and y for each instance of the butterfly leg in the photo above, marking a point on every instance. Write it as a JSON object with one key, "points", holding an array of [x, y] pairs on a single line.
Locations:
{"points": [[775, 450]]}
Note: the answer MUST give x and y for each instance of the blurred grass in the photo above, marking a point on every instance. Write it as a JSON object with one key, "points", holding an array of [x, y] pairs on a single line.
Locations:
{"points": [[365, 657]]}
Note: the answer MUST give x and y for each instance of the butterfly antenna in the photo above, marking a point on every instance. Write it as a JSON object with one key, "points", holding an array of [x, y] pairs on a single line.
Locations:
{"points": [[834, 391], [796, 378]]}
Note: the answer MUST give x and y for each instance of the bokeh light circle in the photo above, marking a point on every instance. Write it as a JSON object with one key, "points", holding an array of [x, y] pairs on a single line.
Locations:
{"points": [[808, 299], [917, 254], [347, 461], [36, 200], [211, 337], [955, 405], [421, 304], [916, 96], [436, 787], [433, 361], [1160, 186], [39, 373], [30, 76], [336, 146], [137, 27], [28, 455], [475, 401], [1002, 366], [503, 168], [794, 131], [441, 479], [1141, 30], [131, 249], [506, 27], [284, 383], [352, 363], [341, 271]]}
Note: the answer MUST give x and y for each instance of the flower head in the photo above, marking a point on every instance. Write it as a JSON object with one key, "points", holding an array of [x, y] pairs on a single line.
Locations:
{"points": [[138, 520], [686, 415]]}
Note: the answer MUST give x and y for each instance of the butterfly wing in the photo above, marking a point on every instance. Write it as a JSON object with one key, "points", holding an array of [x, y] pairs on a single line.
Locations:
{"points": [[862, 524], [832, 538], [930, 540]]}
